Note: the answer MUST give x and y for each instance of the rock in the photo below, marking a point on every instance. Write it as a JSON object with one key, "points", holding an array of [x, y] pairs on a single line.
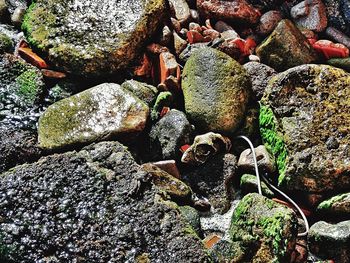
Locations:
{"points": [[311, 15], [343, 63], [265, 231], [97, 197], [338, 36], [221, 26], [265, 4], [168, 66], [21, 89], [286, 47], [176, 189], [18, 15], [214, 181], [329, 50], [6, 44], [165, 37], [32, 58], [179, 43], [181, 10], [266, 162], [169, 166], [92, 38], [260, 75], [169, 134], [335, 16], [216, 90], [338, 205], [249, 184], [268, 22], [99, 113], [229, 35], [4, 13], [235, 11], [145, 92], [345, 10], [204, 147], [191, 215], [300, 114], [330, 241], [17, 146]]}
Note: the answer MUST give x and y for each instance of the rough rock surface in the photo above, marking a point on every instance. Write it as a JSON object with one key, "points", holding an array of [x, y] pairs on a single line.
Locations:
{"points": [[216, 90], [262, 230], [304, 122], [143, 91], [286, 47], [335, 15], [99, 113], [260, 75], [214, 181], [169, 134], [96, 205], [338, 205], [330, 241], [91, 37]]}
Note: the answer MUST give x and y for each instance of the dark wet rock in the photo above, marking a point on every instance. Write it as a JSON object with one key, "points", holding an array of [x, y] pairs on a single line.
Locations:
{"points": [[338, 205], [311, 15], [6, 44], [180, 10], [99, 113], [21, 89], [216, 91], [300, 112], [143, 91], [96, 205], [330, 241], [17, 147], [265, 4], [204, 147], [268, 22], [286, 47], [169, 134], [92, 38], [236, 10], [14, 4], [266, 162], [191, 215], [4, 13], [343, 63], [335, 15], [214, 181], [264, 230], [175, 188], [249, 184], [260, 75], [338, 36]]}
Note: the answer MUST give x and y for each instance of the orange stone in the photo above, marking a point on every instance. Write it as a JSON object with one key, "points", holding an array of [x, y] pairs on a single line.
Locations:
{"points": [[28, 55], [145, 67], [51, 74], [211, 240], [168, 66]]}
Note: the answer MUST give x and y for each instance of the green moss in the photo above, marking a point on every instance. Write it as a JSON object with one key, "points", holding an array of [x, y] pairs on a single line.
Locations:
{"points": [[5, 43], [164, 99], [28, 85], [273, 140], [328, 203]]}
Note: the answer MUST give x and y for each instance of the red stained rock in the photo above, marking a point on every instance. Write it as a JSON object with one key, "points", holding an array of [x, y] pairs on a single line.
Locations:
{"points": [[268, 22], [212, 33], [51, 74], [231, 10], [184, 147], [194, 37], [330, 49], [27, 54], [156, 49], [145, 67], [164, 111], [168, 66]]}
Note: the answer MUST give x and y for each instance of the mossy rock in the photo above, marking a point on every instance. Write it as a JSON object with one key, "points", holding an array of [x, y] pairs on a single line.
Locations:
{"points": [[343, 63], [91, 38], [103, 112], [266, 230], [304, 122], [249, 184], [6, 44], [216, 90], [286, 47], [143, 91], [338, 205]]}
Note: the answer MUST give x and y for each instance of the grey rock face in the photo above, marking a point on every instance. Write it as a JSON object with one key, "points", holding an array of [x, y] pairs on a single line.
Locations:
{"points": [[96, 205], [265, 161], [330, 241], [99, 113], [92, 37]]}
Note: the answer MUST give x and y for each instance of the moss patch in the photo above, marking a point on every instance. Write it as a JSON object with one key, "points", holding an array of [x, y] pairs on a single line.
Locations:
{"points": [[328, 203], [28, 85], [273, 140], [164, 99], [5, 43]]}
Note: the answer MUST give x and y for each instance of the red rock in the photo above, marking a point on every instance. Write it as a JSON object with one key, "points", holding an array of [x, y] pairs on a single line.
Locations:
{"points": [[176, 24], [184, 148], [330, 49], [28, 55], [232, 10], [246, 47], [51, 74], [145, 68], [156, 49], [170, 167], [168, 66], [211, 240], [268, 22], [194, 37], [23, 43], [212, 33], [164, 111]]}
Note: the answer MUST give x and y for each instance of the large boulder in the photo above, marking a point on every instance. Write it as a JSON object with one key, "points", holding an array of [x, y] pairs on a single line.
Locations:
{"points": [[304, 122], [99, 113], [96, 205], [91, 37], [216, 91], [262, 230]]}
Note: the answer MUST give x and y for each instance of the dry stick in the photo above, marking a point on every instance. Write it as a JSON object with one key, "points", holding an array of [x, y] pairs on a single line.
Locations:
{"points": [[273, 187]]}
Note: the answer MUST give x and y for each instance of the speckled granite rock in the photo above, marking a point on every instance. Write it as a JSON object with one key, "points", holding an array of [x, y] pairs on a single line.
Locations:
{"points": [[91, 37]]}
